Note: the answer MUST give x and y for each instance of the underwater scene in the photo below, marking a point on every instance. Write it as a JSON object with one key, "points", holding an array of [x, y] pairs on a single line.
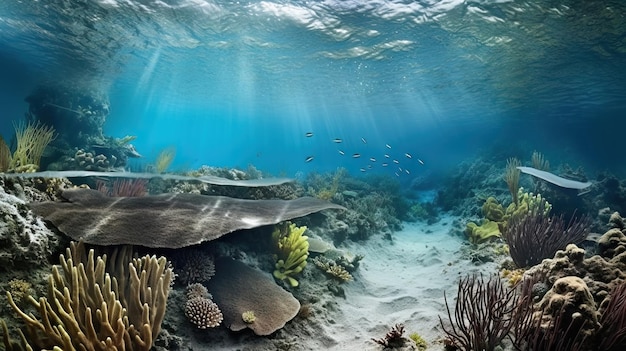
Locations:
{"points": [[272, 175]]}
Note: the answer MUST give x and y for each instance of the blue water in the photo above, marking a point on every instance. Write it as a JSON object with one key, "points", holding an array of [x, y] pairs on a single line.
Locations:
{"points": [[231, 83]]}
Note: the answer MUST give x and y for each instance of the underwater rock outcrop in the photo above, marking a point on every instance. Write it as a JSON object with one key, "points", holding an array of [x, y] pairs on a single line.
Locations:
{"points": [[24, 238], [165, 221]]}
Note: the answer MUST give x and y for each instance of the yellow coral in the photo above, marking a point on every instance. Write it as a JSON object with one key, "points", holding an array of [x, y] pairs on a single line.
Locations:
{"points": [[333, 269], [32, 140], [164, 159], [293, 250], [93, 304], [478, 234], [248, 317], [514, 276], [20, 289]]}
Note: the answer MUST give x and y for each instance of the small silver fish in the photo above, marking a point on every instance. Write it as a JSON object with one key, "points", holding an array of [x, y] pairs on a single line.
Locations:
{"points": [[356, 155], [420, 161], [369, 166], [407, 171], [388, 146], [309, 134], [397, 175], [364, 141], [341, 152], [337, 141], [408, 155], [385, 164], [362, 169], [386, 156], [396, 161], [372, 159], [400, 169], [309, 159]]}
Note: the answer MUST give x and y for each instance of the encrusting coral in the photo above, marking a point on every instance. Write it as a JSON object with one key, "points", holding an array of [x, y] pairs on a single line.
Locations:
{"points": [[293, 250], [93, 304]]}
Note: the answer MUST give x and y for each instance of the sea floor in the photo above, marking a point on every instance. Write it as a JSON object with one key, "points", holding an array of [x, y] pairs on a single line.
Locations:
{"points": [[398, 281]]}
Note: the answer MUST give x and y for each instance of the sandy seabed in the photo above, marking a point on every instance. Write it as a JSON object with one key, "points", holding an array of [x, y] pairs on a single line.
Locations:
{"points": [[398, 281]]}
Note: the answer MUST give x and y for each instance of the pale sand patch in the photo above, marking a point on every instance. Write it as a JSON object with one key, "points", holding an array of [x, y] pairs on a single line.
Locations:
{"points": [[401, 282]]}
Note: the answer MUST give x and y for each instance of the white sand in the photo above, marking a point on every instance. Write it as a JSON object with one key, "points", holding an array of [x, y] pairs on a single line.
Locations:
{"points": [[401, 282]]}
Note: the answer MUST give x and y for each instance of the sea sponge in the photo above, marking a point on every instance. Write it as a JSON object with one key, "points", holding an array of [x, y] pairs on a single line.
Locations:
{"points": [[293, 250], [478, 234]]}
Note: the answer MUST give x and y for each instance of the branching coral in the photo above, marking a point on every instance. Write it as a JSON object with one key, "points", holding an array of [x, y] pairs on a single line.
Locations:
{"points": [[293, 250], [88, 308], [333, 269], [394, 338]]}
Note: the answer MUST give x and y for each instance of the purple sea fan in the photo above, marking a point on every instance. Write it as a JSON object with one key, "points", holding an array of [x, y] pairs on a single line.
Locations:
{"points": [[535, 236]]}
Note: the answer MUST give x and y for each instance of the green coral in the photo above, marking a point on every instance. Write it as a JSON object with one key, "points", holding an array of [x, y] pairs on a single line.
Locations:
{"points": [[527, 203], [420, 343], [293, 251], [478, 234], [493, 211]]}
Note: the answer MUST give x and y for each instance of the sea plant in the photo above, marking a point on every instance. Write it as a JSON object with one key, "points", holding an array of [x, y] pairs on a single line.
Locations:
{"points": [[32, 140]]}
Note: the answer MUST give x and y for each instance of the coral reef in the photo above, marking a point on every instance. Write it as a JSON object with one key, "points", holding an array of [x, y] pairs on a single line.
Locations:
{"points": [[332, 269], [93, 304]]}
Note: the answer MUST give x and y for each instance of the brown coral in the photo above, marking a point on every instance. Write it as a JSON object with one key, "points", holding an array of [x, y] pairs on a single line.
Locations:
{"points": [[90, 309], [203, 312]]}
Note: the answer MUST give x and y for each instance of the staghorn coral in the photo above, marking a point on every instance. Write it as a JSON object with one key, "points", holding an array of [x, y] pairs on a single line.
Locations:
{"points": [[293, 250], [203, 313], [88, 308]]}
